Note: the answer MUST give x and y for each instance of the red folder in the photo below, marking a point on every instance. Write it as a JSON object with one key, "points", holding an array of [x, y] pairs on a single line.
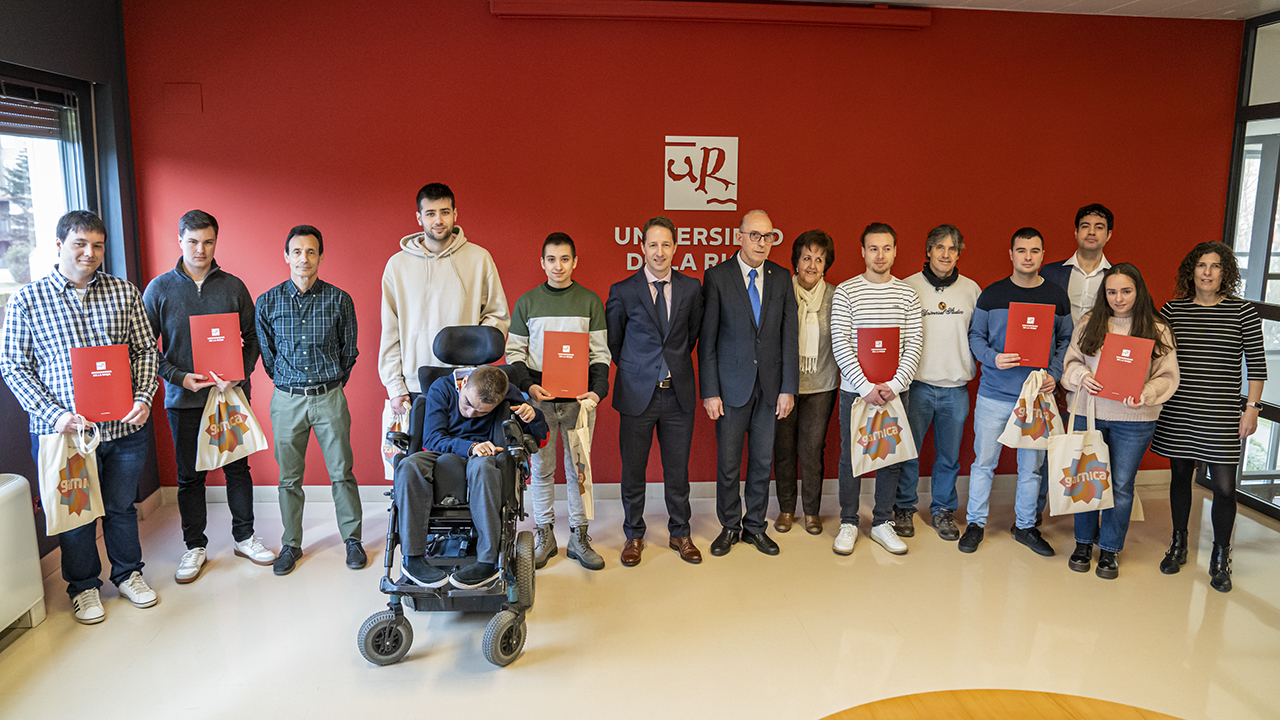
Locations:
{"points": [[564, 363], [878, 353], [1030, 333], [102, 382], [216, 346], [1123, 363]]}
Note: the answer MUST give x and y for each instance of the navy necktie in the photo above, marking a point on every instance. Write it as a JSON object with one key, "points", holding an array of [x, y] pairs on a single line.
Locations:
{"points": [[660, 305]]}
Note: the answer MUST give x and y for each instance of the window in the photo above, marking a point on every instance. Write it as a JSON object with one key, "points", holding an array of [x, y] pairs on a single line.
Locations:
{"points": [[41, 177], [1253, 223]]}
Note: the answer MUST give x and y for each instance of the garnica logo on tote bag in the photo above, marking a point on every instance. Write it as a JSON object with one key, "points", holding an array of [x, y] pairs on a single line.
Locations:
{"points": [[227, 427]]}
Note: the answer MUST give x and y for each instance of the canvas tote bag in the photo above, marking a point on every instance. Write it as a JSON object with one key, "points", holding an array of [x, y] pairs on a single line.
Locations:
{"points": [[69, 488], [879, 436], [579, 440], [1035, 417], [1079, 467], [228, 430]]}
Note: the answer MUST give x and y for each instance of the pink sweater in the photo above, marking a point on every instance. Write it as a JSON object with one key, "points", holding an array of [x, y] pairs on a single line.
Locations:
{"points": [[1162, 378]]}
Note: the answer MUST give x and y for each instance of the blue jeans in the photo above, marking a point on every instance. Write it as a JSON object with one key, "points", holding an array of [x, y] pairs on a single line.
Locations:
{"points": [[989, 419], [1127, 443], [945, 408], [120, 462]]}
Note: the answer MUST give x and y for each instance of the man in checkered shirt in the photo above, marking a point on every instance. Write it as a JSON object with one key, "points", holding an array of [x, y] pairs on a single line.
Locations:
{"points": [[77, 306]]}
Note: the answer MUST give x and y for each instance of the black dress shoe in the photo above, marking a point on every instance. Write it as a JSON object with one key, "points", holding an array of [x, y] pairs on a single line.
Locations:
{"points": [[724, 542], [762, 542], [286, 560], [356, 557]]}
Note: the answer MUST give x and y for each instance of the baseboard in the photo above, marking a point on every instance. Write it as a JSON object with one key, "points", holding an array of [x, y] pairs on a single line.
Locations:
{"points": [[1002, 484]]}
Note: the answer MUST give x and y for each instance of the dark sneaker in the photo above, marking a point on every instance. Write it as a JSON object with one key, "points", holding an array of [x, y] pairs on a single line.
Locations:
{"points": [[420, 572], [902, 522], [1080, 559], [356, 558], [945, 525], [1108, 568], [474, 576], [286, 560], [1031, 538], [972, 538]]}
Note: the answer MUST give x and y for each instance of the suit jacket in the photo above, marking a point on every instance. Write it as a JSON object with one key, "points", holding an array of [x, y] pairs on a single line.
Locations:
{"points": [[1058, 273], [733, 352], [637, 344]]}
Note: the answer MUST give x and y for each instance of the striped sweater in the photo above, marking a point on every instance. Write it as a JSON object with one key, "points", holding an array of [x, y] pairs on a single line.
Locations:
{"points": [[859, 303], [571, 309]]}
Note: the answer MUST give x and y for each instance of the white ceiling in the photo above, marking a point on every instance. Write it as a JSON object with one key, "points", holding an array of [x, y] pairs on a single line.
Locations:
{"points": [[1204, 9]]}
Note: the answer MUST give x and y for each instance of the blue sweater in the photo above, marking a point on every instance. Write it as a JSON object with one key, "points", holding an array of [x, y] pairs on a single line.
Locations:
{"points": [[445, 430], [986, 334]]}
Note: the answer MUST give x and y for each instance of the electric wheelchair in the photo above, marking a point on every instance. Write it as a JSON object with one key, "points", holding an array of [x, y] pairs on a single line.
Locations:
{"points": [[386, 636]]}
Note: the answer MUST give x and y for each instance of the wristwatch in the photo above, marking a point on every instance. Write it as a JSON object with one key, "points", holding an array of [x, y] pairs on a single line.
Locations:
{"points": [[1256, 405]]}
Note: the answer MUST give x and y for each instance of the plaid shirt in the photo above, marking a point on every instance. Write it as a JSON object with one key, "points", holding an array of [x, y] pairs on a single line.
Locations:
{"points": [[307, 338], [45, 319]]}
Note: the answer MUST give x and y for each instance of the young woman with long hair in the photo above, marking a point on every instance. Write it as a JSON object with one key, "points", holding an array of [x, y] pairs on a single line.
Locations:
{"points": [[1124, 307]]}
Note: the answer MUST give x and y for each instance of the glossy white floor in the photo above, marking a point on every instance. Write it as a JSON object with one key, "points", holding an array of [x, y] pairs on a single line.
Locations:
{"points": [[801, 635]]}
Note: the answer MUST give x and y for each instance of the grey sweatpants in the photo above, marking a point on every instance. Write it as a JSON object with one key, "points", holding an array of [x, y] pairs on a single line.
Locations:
{"points": [[414, 494]]}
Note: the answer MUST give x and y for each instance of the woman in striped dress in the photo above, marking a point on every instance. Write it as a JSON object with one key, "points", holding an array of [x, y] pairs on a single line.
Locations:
{"points": [[1215, 331]]}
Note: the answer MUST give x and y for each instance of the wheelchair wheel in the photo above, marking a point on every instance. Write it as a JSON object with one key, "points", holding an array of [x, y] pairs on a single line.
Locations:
{"points": [[504, 638], [524, 569], [382, 641]]}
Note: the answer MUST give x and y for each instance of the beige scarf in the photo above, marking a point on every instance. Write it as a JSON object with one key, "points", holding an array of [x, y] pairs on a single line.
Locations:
{"points": [[810, 303]]}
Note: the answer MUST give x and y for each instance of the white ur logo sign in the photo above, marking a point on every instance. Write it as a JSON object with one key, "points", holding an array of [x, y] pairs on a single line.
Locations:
{"points": [[101, 366], [216, 331], [1124, 353], [700, 173], [565, 349]]}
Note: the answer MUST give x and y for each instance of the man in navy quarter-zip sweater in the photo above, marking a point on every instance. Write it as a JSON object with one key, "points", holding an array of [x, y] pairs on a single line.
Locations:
{"points": [[749, 364], [198, 286]]}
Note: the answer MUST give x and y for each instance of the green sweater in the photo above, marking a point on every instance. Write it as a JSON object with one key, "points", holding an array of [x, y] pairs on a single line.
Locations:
{"points": [[571, 309]]}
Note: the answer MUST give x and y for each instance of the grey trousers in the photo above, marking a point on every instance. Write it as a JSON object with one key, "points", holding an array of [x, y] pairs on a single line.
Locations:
{"points": [[293, 419], [414, 494]]}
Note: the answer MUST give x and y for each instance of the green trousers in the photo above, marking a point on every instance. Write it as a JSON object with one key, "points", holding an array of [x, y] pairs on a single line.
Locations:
{"points": [[293, 417]]}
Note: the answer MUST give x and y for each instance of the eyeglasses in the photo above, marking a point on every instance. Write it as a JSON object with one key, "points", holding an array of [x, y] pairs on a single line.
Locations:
{"points": [[756, 237]]}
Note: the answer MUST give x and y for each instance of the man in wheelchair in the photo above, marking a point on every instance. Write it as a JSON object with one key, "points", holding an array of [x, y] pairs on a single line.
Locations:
{"points": [[462, 422]]}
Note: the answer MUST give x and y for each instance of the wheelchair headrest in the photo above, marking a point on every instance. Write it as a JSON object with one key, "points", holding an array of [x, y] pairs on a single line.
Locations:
{"points": [[469, 345]]}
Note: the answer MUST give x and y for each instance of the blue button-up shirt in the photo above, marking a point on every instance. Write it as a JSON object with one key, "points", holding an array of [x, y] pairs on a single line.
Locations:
{"points": [[307, 338], [47, 318]]}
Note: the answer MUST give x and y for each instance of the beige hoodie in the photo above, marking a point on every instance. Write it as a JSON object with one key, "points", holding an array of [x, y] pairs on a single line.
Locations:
{"points": [[423, 292]]}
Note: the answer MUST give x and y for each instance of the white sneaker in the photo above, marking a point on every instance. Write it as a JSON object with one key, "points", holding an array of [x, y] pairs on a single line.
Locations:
{"points": [[885, 535], [138, 592], [253, 549], [87, 607], [190, 565], [845, 539]]}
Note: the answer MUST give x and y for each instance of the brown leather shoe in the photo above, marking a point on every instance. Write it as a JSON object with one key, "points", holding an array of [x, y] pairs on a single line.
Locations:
{"points": [[784, 522], [813, 524], [631, 552], [685, 547]]}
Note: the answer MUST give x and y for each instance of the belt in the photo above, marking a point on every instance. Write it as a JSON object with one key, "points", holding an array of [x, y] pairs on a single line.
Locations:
{"points": [[313, 390], [665, 384]]}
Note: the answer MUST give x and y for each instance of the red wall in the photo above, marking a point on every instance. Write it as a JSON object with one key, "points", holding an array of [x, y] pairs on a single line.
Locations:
{"points": [[335, 114]]}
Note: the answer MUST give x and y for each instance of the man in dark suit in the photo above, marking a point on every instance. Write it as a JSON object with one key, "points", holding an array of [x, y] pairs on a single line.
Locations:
{"points": [[653, 319], [748, 358], [1081, 276]]}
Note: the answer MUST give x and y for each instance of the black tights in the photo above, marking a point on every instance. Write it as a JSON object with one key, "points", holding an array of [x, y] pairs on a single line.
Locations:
{"points": [[1222, 481]]}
